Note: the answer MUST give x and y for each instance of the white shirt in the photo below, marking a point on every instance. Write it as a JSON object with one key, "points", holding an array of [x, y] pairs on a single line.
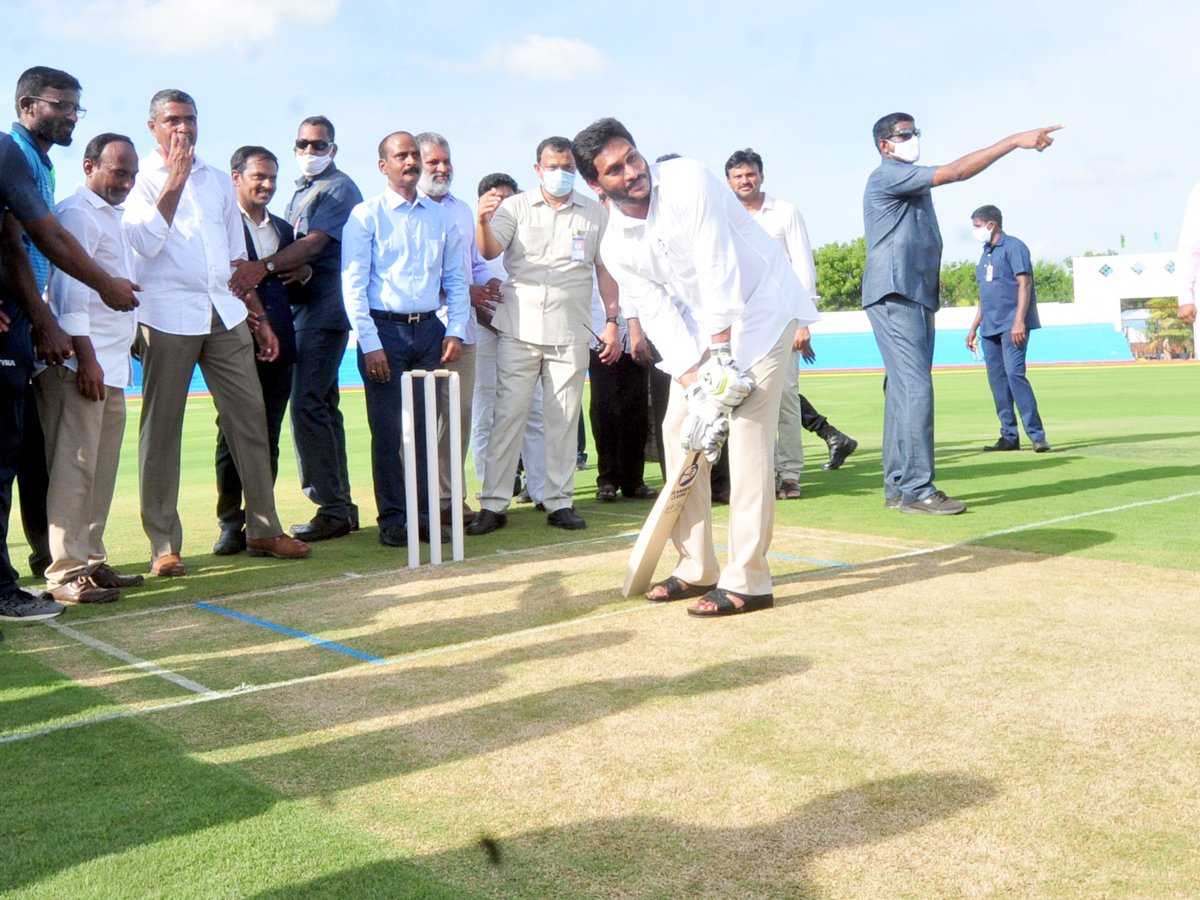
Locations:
{"points": [[1189, 249], [477, 268], [700, 246], [80, 312], [184, 267], [785, 225], [265, 237]]}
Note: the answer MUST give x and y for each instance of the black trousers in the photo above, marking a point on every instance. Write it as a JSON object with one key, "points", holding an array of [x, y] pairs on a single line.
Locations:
{"points": [[620, 419], [16, 365], [276, 384]]}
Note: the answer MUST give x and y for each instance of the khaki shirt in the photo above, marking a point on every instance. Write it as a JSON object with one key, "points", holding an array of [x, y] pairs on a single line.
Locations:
{"points": [[547, 297]]}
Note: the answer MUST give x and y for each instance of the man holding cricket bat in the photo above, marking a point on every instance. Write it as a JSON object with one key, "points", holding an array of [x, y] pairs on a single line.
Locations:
{"points": [[716, 295]]}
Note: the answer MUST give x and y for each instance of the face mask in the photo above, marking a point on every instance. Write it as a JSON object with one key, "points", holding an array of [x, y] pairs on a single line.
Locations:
{"points": [[312, 165], [983, 234], [909, 151], [558, 182]]}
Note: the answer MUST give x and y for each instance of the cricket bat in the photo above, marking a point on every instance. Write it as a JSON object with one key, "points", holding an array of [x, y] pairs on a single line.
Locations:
{"points": [[656, 530]]}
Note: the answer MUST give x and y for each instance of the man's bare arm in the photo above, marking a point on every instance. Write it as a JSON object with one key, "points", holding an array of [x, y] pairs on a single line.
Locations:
{"points": [[973, 163], [296, 255], [53, 344], [60, 247]]}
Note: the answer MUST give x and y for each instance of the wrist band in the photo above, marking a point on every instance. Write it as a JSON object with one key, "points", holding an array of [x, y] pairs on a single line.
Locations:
{"points": [[610, 320]]}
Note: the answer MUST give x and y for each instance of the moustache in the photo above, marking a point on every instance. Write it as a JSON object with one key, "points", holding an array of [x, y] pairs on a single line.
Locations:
{"points": [[411, 170]]}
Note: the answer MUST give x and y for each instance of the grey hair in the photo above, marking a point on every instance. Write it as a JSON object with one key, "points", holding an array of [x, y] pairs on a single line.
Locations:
{"points": [[169, 95], [432, 138]]}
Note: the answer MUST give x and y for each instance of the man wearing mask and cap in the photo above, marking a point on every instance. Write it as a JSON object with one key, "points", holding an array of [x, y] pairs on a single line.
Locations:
{"points": [[317, 211], [900, 296], [550, 239]]}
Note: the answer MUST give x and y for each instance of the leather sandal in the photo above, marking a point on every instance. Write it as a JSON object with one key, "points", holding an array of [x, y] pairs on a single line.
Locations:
{"points": [[789, 489], [678, 590], [723, 600]]}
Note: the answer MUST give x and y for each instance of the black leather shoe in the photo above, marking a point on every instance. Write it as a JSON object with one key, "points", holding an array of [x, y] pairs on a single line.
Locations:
{"points": [[423, 534], [321, 528], [840, 446], [230, 543], [1042, 446], [1003, 444], [393, 536], [106, 576], [486, 522], [567, 519]]}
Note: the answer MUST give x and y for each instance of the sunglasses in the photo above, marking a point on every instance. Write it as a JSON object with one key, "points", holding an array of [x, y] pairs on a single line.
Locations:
{"points": [[905, 134], [319, 146], [66, 107]]}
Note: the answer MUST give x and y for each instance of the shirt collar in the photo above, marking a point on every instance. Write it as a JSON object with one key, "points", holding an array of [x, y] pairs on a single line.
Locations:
{"points": [[94, 199], [28, 137], [768, 203], [249, 221], [395, 200], [998, 243], [447, 201], [574, 200]]}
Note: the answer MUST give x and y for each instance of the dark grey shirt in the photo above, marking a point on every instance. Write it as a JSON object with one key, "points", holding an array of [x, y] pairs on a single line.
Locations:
{"points": [[19, 194], [323, 204], [904, 244]]}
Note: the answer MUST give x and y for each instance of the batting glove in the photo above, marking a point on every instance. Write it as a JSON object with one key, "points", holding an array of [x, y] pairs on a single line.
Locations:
{"points": [[705, 427], [724, 385]]}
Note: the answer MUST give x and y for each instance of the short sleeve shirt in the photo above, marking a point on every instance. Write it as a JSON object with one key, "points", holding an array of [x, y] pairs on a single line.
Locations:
{"points": [[1008, 257], [904, 243], [323, 204], [19, 194], [550, 256]]}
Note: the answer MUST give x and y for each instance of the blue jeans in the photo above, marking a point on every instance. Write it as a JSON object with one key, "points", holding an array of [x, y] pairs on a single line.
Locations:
{"points": [[317, 430], [417, 346], [1006, 375], [904, 332]]}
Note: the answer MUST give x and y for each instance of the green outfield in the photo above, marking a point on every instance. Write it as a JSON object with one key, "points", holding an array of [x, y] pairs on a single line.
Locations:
{"points": [[998, 704]]}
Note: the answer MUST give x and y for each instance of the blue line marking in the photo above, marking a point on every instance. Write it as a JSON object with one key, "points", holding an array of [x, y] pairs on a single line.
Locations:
{"points": [[291, 632], [818, 562]]}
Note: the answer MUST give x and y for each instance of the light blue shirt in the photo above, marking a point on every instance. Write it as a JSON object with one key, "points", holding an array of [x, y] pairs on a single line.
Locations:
{"points": [[399, 257]]}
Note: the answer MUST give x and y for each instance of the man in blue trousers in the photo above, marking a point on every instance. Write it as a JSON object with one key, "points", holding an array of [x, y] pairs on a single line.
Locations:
{"points": [[900, 295], [1007, 313]]}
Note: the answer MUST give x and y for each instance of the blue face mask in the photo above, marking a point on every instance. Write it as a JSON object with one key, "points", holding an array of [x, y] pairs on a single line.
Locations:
{"points": [[558, 182]]}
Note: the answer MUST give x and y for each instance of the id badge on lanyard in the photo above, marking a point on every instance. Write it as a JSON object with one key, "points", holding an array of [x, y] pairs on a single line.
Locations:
{"points": [[578, 248]]}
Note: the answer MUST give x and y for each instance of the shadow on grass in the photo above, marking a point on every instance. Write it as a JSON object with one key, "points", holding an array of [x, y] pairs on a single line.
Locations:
{"points": [[963, 559], [34, 694], [388, 752], [84, 797], [639, 856], [1018, 491]]}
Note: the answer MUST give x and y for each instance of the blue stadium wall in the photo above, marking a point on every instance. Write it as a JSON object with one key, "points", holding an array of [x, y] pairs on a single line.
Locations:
{"points": [[857, 350]]}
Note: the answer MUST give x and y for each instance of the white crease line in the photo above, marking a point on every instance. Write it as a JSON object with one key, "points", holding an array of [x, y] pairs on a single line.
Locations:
{"points": [[206, 696], [135, 661], [834, 540], [330, 582], [992, 534]]}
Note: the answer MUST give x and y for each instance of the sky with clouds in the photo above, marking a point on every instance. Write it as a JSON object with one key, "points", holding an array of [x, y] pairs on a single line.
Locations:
{"points": [[800, 81]]}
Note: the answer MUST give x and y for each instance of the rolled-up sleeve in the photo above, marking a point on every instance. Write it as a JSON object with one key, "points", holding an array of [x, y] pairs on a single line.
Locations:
{"points": [[660, 319], [357, 235], [143, 223], [799, 250], [1189, 249]]}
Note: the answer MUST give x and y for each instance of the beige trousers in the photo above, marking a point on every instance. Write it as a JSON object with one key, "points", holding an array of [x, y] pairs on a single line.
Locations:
{"points": [[465, 367], [789, 446], [519, 366], [83, 450], [751, 484], [226, 357]]}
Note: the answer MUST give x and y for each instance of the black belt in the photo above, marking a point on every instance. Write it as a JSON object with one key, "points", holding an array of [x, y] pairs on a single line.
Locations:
{"points": [[403, 318]]}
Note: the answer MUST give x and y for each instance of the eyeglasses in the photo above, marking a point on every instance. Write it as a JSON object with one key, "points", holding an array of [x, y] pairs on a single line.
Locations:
{"points": [[66, 107], [905, 134], [319, 146]]}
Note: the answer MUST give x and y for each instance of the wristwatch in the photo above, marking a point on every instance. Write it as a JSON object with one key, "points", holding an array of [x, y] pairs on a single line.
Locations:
{"points": [[270, 267]]}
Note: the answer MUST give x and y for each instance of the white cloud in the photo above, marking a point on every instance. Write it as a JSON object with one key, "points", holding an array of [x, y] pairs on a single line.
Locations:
{"points": [[549, 58], [171, 27]]}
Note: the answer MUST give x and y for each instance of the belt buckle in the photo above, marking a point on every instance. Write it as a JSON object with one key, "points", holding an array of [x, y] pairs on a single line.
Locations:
{"points": [[414, 317]]}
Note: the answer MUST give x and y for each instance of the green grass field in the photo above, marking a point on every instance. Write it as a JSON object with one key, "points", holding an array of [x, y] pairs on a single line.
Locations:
{"points": [[999, 704]]}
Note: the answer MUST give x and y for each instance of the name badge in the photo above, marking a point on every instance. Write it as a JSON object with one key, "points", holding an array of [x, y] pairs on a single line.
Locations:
{"points": [[989, 273], [579, 248]]}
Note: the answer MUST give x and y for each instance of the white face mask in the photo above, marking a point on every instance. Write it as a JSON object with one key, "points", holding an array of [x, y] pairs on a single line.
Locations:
{"points": [[558, 182], [983, 234], [909, 151], [312, 165]]}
